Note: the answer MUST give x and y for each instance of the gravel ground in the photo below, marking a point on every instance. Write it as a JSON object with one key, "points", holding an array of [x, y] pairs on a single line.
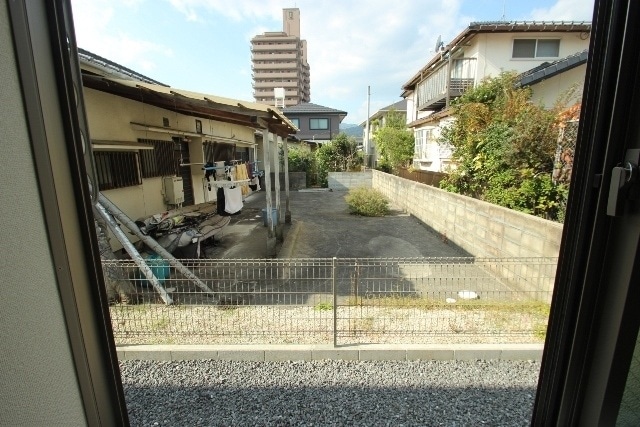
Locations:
{"points": [[320, 393]]}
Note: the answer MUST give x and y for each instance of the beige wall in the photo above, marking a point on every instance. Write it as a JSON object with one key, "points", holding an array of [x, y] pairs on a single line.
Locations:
{"points": [[493, 51], [110, 118], [548, 91]]}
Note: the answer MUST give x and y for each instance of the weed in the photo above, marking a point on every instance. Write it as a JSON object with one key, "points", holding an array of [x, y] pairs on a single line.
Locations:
{"points": [[367, 202], [323, 306]]}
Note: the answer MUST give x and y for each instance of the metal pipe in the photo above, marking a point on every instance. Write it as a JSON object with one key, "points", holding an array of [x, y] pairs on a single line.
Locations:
{"points": [[155, 246], [133, 253], [335, 302]]}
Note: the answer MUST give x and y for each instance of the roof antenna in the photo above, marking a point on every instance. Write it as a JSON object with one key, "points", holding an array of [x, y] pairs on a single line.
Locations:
{"points": [[503, 7]]}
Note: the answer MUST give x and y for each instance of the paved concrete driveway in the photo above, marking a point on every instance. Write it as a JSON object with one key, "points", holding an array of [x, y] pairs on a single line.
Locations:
{"points": [[323, 228]]}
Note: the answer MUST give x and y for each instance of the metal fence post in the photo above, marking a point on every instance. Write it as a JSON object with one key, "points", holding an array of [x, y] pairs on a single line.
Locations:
{"points": [[335, 302]]}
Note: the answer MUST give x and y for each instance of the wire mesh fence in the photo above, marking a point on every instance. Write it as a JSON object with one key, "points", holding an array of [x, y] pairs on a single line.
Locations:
{"points": [[340, 301]]}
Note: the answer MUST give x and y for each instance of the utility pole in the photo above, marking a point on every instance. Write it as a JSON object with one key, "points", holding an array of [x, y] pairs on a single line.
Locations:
{"points": [[368, 141]]}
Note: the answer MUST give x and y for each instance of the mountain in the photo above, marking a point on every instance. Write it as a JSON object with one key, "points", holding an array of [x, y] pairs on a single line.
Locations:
{"points": [[351, 129]]}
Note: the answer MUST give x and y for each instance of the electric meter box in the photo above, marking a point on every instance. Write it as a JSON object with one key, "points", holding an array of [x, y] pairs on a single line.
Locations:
{"points": [[173, 190]]}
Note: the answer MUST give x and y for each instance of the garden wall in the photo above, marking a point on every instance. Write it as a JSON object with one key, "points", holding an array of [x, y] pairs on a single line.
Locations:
{"points": [[481, 228], [343, 181]]}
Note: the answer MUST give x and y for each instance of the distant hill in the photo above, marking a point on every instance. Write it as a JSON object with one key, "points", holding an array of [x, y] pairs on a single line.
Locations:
{"points": [[351, 129]]}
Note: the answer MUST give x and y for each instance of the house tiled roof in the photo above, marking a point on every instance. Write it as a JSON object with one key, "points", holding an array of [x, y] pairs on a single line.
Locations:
{"points": [[498, 27], [311, 108], [396, 106], [550, 69]]}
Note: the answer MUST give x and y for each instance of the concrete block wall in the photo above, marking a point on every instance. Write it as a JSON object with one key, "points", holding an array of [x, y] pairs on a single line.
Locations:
{"points": [[343, 181], [297, 180], [482, 229]]}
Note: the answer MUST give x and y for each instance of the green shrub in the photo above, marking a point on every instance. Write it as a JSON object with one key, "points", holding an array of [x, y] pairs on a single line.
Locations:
{"points": [[367, 202]]}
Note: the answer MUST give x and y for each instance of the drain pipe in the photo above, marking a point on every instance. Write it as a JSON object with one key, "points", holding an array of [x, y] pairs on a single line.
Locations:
{"points": [[155, 246], [133, 253]]}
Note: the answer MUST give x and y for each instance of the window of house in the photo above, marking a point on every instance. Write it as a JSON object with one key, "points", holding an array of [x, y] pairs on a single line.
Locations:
{"points": [[157, 162], [536, 48], [296, 122], [424, 144], [117, 169], [318, 124]]}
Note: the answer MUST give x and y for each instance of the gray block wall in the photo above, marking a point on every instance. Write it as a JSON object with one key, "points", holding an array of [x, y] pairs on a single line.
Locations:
{"points": [[344, 181], [481, 228], [297, 180]]}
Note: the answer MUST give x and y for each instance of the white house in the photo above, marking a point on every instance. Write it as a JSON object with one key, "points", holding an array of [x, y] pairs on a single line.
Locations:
{"points": [[376, 121], [483, 49]]}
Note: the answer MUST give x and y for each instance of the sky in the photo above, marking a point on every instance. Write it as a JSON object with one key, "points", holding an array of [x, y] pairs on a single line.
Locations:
{"points": [[204, 45]]}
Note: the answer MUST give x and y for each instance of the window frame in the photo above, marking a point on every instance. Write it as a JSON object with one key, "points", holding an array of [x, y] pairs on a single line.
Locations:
{"points": [[157, 162], [117, 169], [311, 127], [535, 48]]}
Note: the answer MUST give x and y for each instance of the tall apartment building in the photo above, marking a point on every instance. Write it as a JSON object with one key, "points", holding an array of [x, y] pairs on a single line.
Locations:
{"points": [[279, 60]]}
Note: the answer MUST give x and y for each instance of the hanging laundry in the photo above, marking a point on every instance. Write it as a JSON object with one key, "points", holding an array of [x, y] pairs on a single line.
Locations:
{"points": [[232, 200], [241, 174]]}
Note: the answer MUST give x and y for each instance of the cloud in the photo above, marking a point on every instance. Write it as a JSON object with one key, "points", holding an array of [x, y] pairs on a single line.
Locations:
{"points": [[237, 10], [104, 37], [351, 44], [565, 10]]}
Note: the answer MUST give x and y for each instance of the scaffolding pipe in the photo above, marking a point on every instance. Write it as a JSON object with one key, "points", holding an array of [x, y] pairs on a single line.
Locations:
{"points": [[155, 246], [133, 253]]}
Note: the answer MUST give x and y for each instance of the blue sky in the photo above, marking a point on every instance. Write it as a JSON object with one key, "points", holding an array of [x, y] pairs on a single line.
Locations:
{"points": [[203, 45]]}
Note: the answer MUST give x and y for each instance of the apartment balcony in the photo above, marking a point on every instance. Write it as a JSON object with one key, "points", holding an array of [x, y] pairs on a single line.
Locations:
{"points": [[274, 76], [274, 56], [432, 93], [274, 47], [263, 85], [276, 66]]}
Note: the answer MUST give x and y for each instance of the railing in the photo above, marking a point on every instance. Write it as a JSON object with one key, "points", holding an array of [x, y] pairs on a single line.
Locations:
{"points": [[341, 301], [432, 92]]}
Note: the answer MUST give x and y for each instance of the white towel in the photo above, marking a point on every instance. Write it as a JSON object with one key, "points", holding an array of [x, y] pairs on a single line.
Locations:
{"points": [[232, 199]]}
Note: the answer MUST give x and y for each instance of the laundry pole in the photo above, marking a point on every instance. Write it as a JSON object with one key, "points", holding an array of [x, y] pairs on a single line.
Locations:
{"points": [[276, 175], [271, 232], [285, 149]]}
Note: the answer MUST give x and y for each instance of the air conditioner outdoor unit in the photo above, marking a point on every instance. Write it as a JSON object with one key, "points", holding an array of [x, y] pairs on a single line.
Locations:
{"points": [[173, 190]]}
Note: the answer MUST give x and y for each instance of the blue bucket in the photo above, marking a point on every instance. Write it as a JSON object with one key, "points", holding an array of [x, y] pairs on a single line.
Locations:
{"points": [[274, 216], [159, 267]]}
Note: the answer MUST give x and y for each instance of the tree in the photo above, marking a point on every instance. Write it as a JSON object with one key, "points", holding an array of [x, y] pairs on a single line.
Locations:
{"points": [[302, 160], [395, 144], [503, 146], [339, 155]]}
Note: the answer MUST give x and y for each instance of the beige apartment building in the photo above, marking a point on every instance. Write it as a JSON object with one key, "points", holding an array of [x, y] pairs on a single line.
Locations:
{"points": [[279, 64]]}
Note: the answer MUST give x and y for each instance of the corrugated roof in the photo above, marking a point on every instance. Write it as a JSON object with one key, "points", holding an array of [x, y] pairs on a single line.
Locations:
{"points": [[111, 67], [194, 103]]}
